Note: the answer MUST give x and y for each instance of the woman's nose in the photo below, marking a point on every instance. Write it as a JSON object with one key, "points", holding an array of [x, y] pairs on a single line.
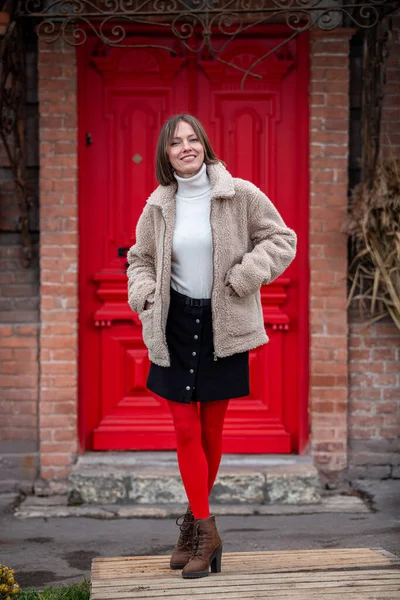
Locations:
{"points": [[186, 144]]}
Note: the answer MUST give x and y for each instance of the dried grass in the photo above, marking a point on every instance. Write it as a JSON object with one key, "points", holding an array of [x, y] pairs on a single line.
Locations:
{"points": [[374, 226]]}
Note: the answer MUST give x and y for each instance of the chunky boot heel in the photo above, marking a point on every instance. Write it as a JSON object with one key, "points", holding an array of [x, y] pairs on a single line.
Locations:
{"points": [[216, 561], [207, 550]]}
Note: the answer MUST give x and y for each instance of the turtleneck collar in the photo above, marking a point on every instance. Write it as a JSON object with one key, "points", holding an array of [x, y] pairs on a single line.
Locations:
{"points": [[194, 186]]}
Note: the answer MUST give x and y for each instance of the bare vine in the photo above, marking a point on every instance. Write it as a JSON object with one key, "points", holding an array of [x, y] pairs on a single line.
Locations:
{"points": [[12, 122]]}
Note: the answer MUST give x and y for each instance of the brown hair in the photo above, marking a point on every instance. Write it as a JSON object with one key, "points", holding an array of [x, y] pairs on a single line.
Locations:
{"points": [[164, 172]]}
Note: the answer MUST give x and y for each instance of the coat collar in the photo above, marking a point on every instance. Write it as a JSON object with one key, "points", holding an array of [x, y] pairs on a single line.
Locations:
{"points": [[222, 186]]}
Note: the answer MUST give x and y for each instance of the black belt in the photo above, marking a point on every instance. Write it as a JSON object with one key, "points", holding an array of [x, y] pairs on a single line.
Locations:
{"points": [[190, 301]]}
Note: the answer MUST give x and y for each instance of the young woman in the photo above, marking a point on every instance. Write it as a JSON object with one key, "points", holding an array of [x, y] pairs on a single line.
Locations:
{"points": [[205, 244]]}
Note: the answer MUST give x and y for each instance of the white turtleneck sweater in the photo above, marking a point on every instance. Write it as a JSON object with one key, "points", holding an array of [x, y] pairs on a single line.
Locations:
{"points": [[192, 250]]}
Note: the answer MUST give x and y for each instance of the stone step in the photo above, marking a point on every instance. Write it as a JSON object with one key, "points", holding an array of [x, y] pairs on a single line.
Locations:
{"points": [[57, 506], [143, 478]]}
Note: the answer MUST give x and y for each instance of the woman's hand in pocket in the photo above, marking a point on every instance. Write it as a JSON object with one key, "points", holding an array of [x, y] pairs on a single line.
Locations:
{"points": [[231, 290]]}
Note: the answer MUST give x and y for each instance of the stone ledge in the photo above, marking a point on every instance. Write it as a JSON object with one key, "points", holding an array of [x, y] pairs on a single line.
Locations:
{"points": [[153, 478], [34, 507]]}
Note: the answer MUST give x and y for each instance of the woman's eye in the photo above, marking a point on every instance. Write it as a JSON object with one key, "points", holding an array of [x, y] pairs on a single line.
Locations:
{"points": [[174, 143], [194, 140]]}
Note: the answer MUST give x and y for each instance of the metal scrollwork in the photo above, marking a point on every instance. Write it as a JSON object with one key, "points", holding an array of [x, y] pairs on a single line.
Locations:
{"points": [[196, 23]]}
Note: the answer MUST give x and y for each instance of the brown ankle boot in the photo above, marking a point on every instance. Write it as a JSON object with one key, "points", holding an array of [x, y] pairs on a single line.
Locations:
{"points": [[207, 550], [183, 550]]}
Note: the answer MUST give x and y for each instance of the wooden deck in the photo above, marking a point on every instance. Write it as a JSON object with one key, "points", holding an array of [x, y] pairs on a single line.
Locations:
{"points": [[352, 573]]}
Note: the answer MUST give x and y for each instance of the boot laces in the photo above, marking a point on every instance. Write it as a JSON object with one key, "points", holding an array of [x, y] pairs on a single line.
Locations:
{"points": [[199, 540], [185, 526]]}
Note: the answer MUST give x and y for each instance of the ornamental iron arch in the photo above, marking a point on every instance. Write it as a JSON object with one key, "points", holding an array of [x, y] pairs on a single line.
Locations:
{"points": [[196, 24]]}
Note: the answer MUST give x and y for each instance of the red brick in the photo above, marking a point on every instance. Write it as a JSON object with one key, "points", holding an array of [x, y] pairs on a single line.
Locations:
{"points": [[363, 433], [390, 432], [331, 47], [334, 394], [18, 342], [56, 460], [68, 354], [14, 368], [336, 74], [56, 394], [329, 446], [386, 407], [25, 330], [392, 367], [384, 380], [64, 435], [56, 421], [50, 71], [68, 148], [58, 368], [58, 448], [361, 406]]}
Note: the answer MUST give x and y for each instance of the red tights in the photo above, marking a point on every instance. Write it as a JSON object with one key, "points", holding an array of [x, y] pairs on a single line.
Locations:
{"points": [[199, 448]]}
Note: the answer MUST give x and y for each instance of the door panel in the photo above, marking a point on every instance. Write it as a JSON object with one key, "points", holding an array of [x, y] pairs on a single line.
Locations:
{"points": [[125, 96]]}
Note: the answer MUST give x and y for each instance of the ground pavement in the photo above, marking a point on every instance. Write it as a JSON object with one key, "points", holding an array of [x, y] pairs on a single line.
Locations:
{"points": [[50, 550]]}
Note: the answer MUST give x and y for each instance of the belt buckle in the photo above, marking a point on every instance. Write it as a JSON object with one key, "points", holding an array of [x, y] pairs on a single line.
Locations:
{"points": [[194, 302]]}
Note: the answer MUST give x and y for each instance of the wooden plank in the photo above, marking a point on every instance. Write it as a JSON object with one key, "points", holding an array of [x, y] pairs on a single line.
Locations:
{"points": [[255, 592], [354, 573], [362, 594], [390, 591], [231, 586], [361, 553], [245, 577], [264, 553]]}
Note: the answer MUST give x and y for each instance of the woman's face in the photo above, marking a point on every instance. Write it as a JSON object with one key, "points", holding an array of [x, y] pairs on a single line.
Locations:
{"points": [[185, 153]]}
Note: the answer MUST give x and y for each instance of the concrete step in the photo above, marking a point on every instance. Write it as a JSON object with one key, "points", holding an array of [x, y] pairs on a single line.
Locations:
{"points": [[57, 507], [152, 478]]}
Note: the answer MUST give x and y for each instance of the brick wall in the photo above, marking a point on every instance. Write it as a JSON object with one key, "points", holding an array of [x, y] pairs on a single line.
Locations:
{"points": [[19, 312], [329, 101], [374, 426], [58, 259], [18, 365], [374, 352]]}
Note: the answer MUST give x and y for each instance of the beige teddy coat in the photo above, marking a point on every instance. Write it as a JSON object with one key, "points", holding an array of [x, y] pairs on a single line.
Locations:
{"points": [[252, 246]]}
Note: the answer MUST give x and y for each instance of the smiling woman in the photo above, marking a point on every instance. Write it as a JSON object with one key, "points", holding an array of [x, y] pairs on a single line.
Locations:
{"points": [[205, 244]]}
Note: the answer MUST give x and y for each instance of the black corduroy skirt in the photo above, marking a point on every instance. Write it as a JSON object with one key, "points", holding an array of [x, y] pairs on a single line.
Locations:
{"points": [[195, 373]]}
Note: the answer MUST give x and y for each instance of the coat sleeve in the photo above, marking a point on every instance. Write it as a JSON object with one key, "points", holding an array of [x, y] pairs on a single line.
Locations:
{"points": [[141, 271], [274, 246]]}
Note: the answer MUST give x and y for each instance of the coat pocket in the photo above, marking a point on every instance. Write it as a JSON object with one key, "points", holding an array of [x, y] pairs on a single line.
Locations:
{"points": [[242, 314], [146, 317]]}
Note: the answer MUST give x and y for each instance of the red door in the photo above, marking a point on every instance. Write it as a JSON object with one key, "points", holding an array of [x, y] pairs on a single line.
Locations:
{"points": [[124, 97]]}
